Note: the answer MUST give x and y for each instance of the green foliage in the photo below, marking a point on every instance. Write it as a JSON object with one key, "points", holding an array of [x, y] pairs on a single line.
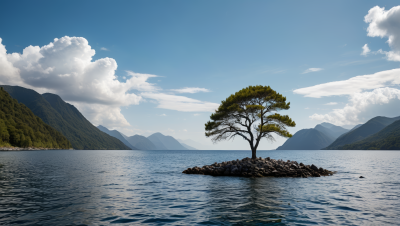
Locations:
{"points": [[66, 119], [247, 114], [19, 127]]}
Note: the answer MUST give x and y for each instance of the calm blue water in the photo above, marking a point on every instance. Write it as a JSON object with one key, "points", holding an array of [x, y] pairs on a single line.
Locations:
{"points": [[148, 188]]}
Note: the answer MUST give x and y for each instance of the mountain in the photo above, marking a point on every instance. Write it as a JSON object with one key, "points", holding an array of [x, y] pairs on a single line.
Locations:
{"points": [[306, 139], [188, 147], [141, 142], [19, 127], [185, 145], [65, 118], [165, 142], [371, 127], [355, 127], [386, 139], [195, 145], [330, 130], [116, 134]]}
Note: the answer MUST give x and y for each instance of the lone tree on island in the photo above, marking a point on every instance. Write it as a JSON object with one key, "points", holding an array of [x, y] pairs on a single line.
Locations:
{"points": [[248, 114]]}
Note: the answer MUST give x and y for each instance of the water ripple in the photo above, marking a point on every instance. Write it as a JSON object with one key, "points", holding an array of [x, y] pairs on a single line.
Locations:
{"points": [[148, 188]]}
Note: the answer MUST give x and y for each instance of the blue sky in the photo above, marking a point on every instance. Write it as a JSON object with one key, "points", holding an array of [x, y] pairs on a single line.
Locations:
{"points": [[156, 49]]}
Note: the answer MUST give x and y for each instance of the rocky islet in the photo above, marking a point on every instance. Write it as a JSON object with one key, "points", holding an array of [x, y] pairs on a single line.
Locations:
{"points": [[260, 167]]}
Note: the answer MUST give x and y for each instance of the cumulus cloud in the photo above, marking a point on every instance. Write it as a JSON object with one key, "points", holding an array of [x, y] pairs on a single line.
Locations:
{"points": [[385, 23], [353, 85], [357, 104], [180, 103], [191, 90], [66, 67], [366, 50], [312, 70], [331, 103], [8, 73]]}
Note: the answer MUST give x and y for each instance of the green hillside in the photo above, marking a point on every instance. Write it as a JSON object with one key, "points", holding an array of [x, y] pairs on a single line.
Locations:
{"points": [[66, 119], [371, 127], [19, 127], [386, 139]]}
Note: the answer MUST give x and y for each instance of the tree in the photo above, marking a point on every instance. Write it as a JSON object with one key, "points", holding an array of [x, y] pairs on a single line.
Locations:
{"points": [[248, 114]]}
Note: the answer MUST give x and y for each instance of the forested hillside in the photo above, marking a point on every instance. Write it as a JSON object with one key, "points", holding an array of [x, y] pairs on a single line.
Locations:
{"points": [[386, 139], [66, 119], [371, 127], [19, 127]]}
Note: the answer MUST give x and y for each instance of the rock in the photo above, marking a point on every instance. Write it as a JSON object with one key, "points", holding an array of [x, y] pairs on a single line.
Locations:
{"points": [[260, 167], [362, 177], [313, 167]]}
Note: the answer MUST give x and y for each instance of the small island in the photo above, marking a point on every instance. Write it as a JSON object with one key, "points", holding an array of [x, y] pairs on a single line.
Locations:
{"points": [[260, 167], [248, 114]]}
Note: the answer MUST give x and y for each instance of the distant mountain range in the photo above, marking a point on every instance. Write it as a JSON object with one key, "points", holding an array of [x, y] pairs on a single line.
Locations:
{"points": [[75, 130], [371, 127], [379, 133], [142, 143], [307, 139], [65, 118], [386, 139], [156, 141], [118, 135]]}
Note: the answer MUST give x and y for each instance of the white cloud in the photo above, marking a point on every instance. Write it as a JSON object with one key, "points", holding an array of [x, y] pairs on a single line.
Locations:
{"points": [[163, 115], [385, 23], [331, 103], [191, 90], [353, 85], [382, 23], [104, 49], [180, 103], [66, 67], [98, 114], [196, 114], [8, 73], [312, 70], [357, 104], [366, 50]]}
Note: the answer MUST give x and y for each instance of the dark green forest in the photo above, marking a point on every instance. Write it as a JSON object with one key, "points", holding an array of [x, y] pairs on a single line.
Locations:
{"points": [[19, 127], [386, 139], [66, 119]]}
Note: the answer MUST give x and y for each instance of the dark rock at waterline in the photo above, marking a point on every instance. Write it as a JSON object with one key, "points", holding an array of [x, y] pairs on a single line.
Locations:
{"points": [[260, 167]]}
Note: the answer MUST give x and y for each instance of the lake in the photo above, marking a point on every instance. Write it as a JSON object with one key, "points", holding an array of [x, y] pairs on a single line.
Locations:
{"points": [[85, 187]]}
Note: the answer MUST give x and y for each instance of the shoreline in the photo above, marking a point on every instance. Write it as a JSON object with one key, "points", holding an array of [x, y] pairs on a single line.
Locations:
{"points": [[26, 149]]}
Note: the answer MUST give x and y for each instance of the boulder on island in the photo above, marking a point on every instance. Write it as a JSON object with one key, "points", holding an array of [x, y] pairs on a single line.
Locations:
{"points": [[260, 167]]}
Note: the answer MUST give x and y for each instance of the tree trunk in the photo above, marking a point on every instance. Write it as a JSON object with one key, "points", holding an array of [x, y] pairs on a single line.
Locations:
{"points": [[253, 153]]}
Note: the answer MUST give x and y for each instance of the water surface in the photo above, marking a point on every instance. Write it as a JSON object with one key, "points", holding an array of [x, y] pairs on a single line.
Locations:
{"points": [[147, 188]]}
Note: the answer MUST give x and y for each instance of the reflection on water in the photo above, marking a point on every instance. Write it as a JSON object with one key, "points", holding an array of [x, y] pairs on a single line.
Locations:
{"points": [[147, 187]]}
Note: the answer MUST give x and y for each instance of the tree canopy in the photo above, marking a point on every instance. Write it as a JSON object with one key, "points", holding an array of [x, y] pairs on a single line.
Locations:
{"points": [[249, 114]]}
